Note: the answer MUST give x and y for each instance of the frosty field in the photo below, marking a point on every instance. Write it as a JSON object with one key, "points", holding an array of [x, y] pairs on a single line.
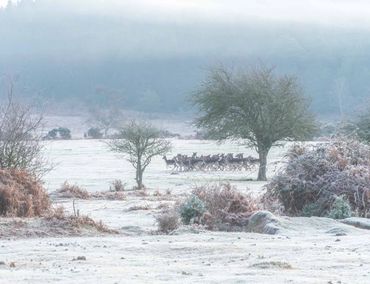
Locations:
{"points": [[307, 250], [90, 164]]}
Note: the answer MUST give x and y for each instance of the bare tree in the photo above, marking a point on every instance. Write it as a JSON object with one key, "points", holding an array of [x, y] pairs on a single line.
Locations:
{"points": [[105, 119], [257, 106], [106, 113], [141, 142], [20, 137]]}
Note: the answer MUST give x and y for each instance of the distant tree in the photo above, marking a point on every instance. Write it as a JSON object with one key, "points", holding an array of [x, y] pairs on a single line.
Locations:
{"points": [[106, 113], [94, 133], [363, 125], [20, 136], [141, 142], [59, 133], [105, 119], [256, 105]]}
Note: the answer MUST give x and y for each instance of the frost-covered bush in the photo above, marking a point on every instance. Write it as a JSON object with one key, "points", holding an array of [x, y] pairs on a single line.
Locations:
{"points": [[21, 195], [168, 221], [312, 209], [315, 176], [192, 209], [117, 185], [226, 206], [72, 191], [340, 209], [218, 207]]}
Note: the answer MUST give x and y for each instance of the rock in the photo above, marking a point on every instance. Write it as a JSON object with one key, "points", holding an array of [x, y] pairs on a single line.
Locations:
{"points": [[79, 258], [263, 222], [337, 232], [2, 263], [362, 223], [272, 264]]}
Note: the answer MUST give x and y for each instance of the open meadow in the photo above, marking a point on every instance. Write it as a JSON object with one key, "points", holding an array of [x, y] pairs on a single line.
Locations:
{"points": [[304, 250]]}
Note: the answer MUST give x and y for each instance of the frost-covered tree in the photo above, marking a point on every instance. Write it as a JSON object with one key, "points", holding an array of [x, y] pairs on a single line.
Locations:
{"points": [[20, 136], [256, 105], [141, 142]]}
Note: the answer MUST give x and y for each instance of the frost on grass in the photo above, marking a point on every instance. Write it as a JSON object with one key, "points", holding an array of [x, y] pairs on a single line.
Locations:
{"points": [[56, 223], [76, 192], [75, 223], [72, 191], [324, 180]]}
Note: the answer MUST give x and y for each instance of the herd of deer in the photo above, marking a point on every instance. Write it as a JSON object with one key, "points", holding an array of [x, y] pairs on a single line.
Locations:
{"points": [[216, 162]]}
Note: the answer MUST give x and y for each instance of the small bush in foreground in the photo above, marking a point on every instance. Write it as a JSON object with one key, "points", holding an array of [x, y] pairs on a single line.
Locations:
{"points": [[312, 209], [226, 206], [72, 191], [21, 195], [340, 209], [218, 207], [168, 221], [192, 209], [316, 176]]}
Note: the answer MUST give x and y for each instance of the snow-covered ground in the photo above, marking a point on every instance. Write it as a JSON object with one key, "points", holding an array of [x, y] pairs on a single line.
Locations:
{"points": [[90, 164], [308, 250]]}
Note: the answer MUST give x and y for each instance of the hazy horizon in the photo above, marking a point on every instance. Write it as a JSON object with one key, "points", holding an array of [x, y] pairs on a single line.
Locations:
{"points": [[155, 53]]}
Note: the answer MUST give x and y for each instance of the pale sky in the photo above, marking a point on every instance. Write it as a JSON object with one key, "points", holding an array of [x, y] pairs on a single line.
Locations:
{"points": [[325, 12]]}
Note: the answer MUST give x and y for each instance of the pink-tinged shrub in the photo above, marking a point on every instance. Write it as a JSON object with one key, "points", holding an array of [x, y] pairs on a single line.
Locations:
{"points": [[21, 195], [316, 176]]}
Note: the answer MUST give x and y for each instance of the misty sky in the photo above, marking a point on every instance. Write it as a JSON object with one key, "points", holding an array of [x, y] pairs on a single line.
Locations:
{"points": [[134, 44], [138, 28]]}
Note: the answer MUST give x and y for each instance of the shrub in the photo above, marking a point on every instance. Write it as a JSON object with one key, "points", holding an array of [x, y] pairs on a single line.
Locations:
{"points": [[117, 185], [226, 206], [312, 209], [168, 221], [315, 176], [21, 195], [139, 207], [72, 191], [192, 209], [340, 209]]}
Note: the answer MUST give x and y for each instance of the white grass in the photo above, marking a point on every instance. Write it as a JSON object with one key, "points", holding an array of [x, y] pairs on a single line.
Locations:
{"points": [[90, 164], [307, 250]]}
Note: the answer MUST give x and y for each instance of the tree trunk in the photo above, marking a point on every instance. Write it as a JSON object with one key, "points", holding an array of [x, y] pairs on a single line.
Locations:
{"points": [[140, 179], [139, 175], [263, 165]]}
